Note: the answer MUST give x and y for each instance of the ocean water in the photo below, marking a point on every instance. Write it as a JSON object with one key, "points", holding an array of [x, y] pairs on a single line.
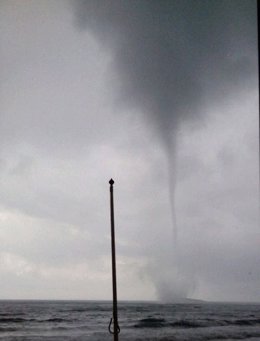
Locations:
{"points": [[89, 320]]}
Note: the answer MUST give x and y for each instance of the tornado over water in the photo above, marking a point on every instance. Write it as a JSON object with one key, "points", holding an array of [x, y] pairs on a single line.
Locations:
{"points": [[172, 57]]}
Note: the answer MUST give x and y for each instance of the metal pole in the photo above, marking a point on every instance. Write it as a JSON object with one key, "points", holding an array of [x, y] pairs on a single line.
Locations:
{"points": [[116, 329], [258, 50]]}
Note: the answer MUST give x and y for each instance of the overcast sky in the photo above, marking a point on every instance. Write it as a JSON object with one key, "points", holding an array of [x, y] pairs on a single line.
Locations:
{"points": [[162, 96]]}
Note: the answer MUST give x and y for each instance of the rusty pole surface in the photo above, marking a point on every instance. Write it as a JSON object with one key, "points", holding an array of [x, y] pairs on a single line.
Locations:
{"points": [[113, 250]]}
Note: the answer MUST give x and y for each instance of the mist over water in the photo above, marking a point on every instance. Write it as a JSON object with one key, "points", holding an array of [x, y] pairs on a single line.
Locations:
{"points": [[172, 57]]}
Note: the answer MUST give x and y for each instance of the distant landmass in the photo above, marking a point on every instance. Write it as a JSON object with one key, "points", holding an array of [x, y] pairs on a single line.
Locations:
{"points": [[183, 300]]}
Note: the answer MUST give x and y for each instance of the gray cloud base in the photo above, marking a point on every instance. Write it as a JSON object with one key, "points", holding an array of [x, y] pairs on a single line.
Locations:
{"points": [[174, 56]]}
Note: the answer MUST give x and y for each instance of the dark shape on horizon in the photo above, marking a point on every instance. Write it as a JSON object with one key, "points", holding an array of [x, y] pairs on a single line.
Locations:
{"points": [[116, 328]]}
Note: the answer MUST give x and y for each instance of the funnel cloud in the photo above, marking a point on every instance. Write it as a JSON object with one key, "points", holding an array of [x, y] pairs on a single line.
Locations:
{"points": [[172, 59]]}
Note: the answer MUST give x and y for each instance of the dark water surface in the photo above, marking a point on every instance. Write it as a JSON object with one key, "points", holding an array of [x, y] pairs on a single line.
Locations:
{"points": [[88, 320]]}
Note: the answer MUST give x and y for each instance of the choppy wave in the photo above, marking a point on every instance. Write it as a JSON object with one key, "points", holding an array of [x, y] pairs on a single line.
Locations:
{"points": [[26, 320], [184, 323], [245, 322], [12, 320], [150, 322], [88, 321]]}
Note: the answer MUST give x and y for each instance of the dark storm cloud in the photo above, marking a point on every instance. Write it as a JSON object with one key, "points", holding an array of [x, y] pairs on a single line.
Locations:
{"points": [[173, 59], [170, 54]]}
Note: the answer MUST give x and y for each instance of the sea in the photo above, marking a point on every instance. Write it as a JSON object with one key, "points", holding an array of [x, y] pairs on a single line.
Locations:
{"points": [[89, 320]]}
